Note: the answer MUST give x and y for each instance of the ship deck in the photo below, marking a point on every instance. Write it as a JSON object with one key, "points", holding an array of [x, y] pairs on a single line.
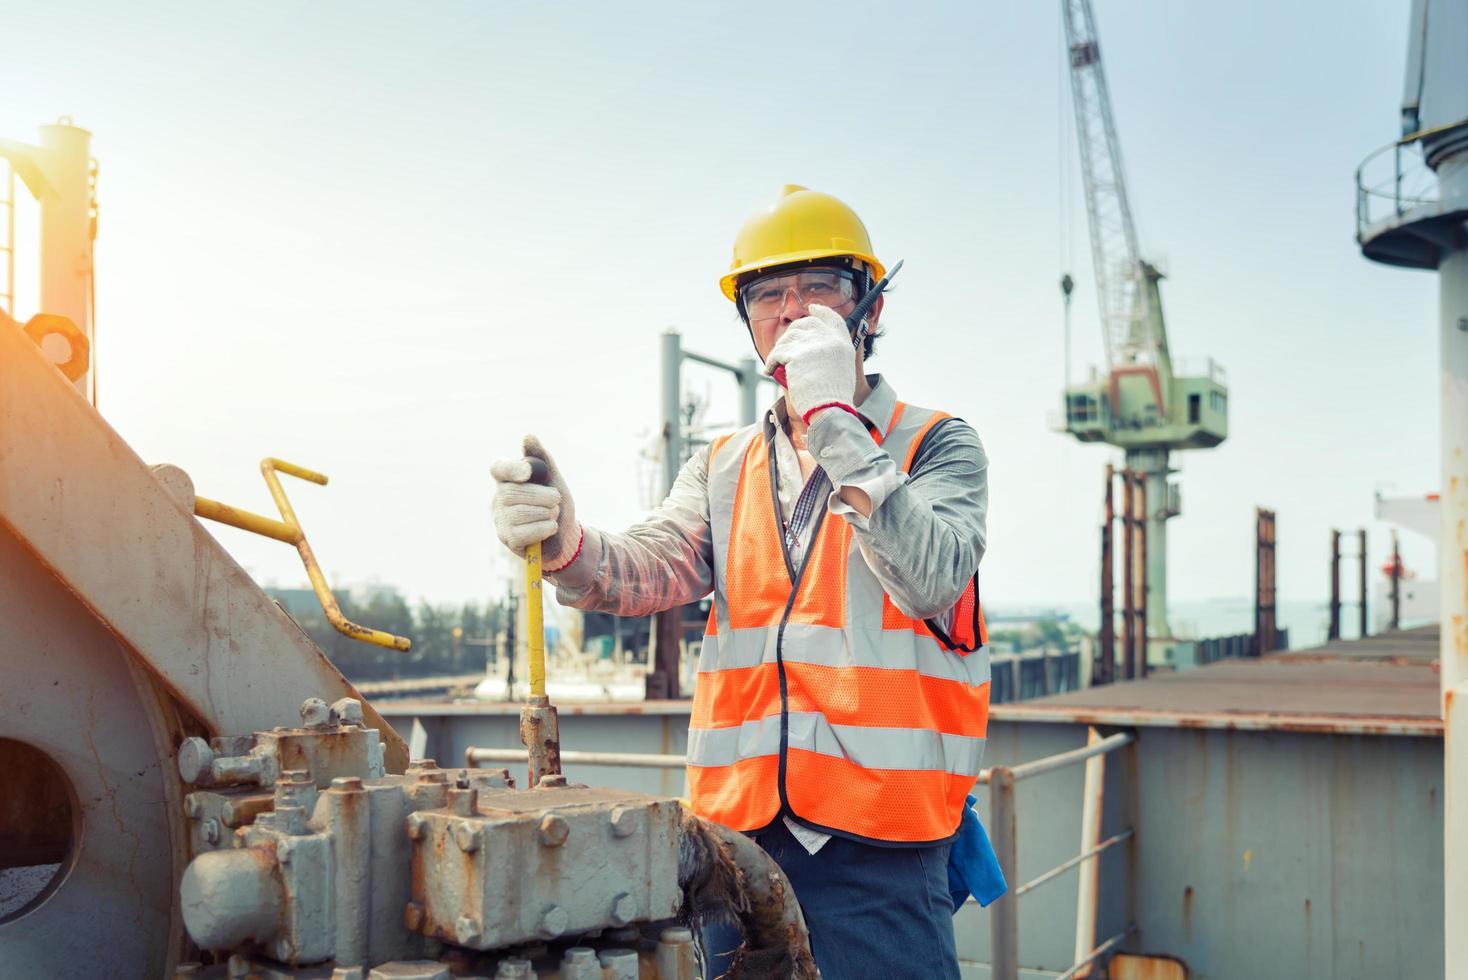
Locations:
{"points": [[1384, 685]]}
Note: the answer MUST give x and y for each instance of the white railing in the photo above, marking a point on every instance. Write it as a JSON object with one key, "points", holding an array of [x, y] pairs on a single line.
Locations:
{"points": [[1004, 913], [1395, 179]]}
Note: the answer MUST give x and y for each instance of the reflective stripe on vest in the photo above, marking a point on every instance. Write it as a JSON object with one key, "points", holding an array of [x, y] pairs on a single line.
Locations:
{"points": [[827, 703]]}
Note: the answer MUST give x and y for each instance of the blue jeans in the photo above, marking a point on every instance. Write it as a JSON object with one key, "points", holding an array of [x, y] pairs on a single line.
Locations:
{"points": [[873, 912]]}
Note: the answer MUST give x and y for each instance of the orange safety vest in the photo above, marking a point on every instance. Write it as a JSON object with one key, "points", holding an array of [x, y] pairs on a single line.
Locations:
{"points": [[816, 697]]}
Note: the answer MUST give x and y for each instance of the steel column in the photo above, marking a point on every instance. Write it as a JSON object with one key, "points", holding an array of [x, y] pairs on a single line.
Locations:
{"points": [[1453, 555], [1265, 623], [1365, 583], [1128, 564], [1145, 597], [672, 364], [1004, 913], [1334, 631], [748, 391], [1104, 670]]}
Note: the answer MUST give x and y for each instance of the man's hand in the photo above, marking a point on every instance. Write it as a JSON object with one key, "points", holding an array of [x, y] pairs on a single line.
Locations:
{"points": [[819, 359], [526, 512]]}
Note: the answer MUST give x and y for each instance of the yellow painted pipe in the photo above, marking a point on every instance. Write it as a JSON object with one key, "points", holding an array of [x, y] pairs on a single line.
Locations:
{"points": [[289, 530], [244, 520], [534, 621]]}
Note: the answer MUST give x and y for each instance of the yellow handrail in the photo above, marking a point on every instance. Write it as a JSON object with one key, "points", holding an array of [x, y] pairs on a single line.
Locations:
{"points": [[289, 530]]}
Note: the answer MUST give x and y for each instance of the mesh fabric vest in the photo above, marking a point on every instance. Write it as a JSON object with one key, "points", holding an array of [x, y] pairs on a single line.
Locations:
{"points": [[816, 696]]}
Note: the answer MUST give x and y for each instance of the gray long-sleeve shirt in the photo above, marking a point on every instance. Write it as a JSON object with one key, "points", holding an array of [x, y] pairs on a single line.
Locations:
{"points": [[923, 540]]}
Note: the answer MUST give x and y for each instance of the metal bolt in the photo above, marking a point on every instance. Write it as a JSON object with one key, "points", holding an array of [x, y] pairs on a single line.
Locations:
{"points": [[413, 916], [195, 760], [347, 784], [513, 970], [347, 711], [315, 713], [466, 930], [463, 801], [467, 836], [422, 764], [283, 851], [290, 819], [283, 950], [554, 830], [554, 921], [193, 806], [676, 934], [625, 820], [417, 826], [580, 963], [552, 780], [624, 910], [619, 964], [210, 827]]}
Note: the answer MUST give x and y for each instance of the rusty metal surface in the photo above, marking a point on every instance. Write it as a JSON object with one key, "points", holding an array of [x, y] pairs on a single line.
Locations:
{"points": [[1257, 853], [1379, 686], [540, 733], [91, 513], [70, 691]]}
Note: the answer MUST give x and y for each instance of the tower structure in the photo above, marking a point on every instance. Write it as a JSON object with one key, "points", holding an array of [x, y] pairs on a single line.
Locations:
{"points": [[1412, 211], [1139, 404], [61, 175]]}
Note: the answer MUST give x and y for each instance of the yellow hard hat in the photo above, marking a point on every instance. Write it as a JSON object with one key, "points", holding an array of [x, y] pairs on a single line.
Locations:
{"points": [[800, 226]]}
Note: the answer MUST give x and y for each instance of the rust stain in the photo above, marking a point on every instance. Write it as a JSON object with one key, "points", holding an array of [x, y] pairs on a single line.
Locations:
{"points": [[1188, 914]]}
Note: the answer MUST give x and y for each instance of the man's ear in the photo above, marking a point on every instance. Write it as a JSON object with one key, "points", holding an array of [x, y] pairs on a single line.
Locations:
{"points": [[876, 311]]}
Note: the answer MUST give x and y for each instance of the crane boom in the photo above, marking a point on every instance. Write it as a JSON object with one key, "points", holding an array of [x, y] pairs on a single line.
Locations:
{"points": [[1138, 405], [1125, 284]]}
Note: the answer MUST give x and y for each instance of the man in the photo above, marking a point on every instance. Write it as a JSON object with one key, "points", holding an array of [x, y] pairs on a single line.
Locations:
{"points": [[842, 696]]}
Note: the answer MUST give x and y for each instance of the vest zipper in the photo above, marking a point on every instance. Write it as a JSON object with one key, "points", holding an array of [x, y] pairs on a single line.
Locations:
{"points": [[796, 577]]}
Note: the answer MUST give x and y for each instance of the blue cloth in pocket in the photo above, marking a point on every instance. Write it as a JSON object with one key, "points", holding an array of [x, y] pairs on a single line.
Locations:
{"points": [[973, 867]]}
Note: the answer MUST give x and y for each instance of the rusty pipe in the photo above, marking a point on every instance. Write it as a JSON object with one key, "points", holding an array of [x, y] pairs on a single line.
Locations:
{"points": [[726, 875]]}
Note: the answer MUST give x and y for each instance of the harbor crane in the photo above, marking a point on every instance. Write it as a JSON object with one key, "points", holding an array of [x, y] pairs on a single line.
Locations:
{"points": [[1140, 404]]}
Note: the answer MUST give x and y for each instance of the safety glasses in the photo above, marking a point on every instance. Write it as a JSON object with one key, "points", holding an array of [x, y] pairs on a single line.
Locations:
{"points": [[765, 297]]}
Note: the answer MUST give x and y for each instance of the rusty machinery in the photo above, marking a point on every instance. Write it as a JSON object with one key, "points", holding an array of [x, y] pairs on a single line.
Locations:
{"points": [[172, 808]]}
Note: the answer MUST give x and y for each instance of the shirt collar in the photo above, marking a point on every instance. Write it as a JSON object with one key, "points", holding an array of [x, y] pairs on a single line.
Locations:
{"points": [[876, 409]]}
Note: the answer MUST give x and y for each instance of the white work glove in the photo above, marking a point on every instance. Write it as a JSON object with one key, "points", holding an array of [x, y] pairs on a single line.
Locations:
{"points": [[819, 359], [526, 512]]}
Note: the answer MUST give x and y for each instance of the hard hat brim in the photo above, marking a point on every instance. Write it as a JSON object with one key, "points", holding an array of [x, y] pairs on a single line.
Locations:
{"points": [[730, 280]]}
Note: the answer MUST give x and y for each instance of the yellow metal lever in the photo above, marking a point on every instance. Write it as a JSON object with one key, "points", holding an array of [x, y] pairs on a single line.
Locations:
{"points": [[534, 614], [288, 529]]}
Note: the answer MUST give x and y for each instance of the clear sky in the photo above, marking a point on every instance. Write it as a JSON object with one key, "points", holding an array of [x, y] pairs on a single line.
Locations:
{"points": [[384, 241]]}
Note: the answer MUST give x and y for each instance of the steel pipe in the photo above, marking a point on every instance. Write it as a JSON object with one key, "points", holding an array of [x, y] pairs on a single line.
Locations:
{"points": [[474, 755], [1062, 759], [1066, 866]]}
